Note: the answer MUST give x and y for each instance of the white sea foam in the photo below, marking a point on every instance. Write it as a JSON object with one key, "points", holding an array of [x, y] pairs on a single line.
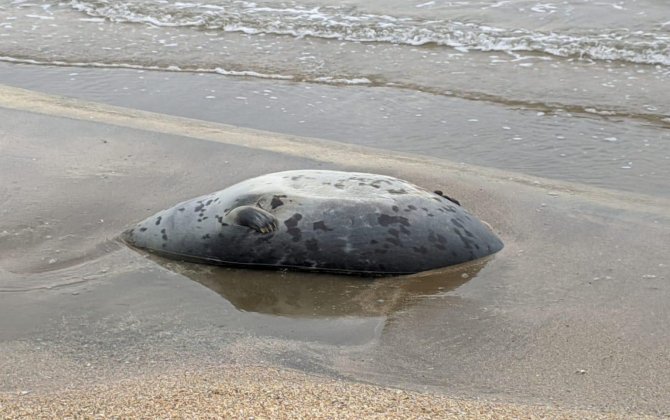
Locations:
{"points": [[348, 24], [40, 17], [247, 73], [171, 68], [343, 81]]}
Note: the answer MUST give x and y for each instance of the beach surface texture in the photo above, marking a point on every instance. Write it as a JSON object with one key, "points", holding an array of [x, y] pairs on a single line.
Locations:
{"points": [[569, 320]]}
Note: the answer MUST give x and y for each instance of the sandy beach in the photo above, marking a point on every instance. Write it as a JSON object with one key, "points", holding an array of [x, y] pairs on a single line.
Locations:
{"points": [[570, 320], [549, 121], [265, 392]]}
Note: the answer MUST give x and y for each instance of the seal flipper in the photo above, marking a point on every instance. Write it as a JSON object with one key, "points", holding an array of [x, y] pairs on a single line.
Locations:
{"points": [[453, 200], [254, 218]]}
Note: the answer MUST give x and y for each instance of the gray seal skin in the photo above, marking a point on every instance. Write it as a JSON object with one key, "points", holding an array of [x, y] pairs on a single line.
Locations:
{"points": [[344, 222]]}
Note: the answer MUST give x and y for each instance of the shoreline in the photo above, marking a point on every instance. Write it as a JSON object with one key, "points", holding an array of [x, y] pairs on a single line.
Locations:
{"points": [[333, 152], [598, 150]]}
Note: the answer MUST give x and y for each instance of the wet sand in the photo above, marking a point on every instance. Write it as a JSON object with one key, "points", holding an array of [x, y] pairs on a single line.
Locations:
{"points": [[254, 391], [572, 313], [609, 151]]}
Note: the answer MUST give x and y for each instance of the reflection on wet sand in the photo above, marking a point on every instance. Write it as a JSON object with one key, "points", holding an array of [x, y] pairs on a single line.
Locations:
{"points": [[309, 295]]}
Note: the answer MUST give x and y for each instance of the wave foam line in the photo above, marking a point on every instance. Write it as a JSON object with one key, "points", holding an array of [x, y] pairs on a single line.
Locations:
{"points": [[347, 24], [654, 119], [172, 68]]}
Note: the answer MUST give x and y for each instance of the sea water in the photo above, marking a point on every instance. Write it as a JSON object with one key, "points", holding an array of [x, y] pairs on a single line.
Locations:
{"points": [[575, 90]]}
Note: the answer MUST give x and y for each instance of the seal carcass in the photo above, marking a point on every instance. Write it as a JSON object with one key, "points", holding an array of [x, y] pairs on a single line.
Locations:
{"points": [[332, 221]]}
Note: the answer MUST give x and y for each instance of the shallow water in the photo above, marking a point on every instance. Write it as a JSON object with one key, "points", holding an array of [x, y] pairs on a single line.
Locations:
{"points": [[612, 152], [583, 57]]}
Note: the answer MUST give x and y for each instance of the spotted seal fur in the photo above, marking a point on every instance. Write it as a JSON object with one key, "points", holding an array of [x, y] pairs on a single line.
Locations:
{"points": [[345, 222]]}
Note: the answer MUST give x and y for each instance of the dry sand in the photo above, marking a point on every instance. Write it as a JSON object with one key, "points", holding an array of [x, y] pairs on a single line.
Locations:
{"points": [[262, 392]]}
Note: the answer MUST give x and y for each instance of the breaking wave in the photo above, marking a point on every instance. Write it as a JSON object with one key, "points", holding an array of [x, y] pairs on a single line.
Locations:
{"points": [[349, 24]]}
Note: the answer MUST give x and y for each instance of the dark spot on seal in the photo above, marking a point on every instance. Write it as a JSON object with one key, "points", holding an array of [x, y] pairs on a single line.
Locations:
{"points": [[143, 229], [339, 185], [394, 241], [181, 209], [293, 220], [373, 241], [421, 249], [385, 220], [165, 237], [158, 220], [395, 208], [276, 201], [220, 219], [205, 236], [199, 208], [312, 245], [208, 203], [295, 233], [321, 225], [292, 223], [400, 191], [465, 240], [394, 232], [264, 238]]}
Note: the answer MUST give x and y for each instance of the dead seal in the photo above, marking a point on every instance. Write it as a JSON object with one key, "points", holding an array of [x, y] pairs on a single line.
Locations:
{"points": [[331, 221]]}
